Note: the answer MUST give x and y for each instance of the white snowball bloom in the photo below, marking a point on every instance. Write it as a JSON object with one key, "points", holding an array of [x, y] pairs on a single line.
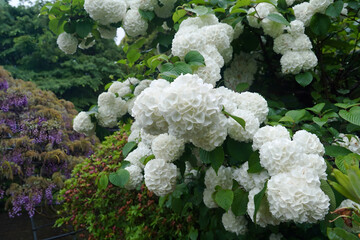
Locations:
{"points": [[146, 108], [227, 97], [314, 163], [207, 198], [135, 133], [107, 32], [136, 177], [141, 151], [268, 134], [272, 28], [278, 156], [262, 10], [309, 142], [247, 180], [303, 12], [301, 43], [133, 24], [210, 73], [130, 104], [351, 142], [296, 28], [167, 147], [67, 43], [141, 87], [82, 124], [295, 61], [292, 198], [132, 81], [254, 103], [109, 114], [263, 216], [223, 178], [320, 5], [146, 5], [238, 30], [289, 2], [106, 11], [237, 132], [276, 236], [160, 176], [233, 223], [283, 43], [120, 88], [147, 138], [242, 70]]}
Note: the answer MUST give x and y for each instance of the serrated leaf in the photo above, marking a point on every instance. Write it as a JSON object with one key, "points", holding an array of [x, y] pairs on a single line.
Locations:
{"points": [[340, 234], [254, 163], [258, 199], [239, 205], [296, 115], [120, 178], [352, 116], [334, 9], [128, 147], [335, 151], [178, 15], [304, 79], [346, 105], [351, 159], [317, 108], [286, 119], [217, 158], [276, 17], [320, 121], [224, 198], [325, 187], [182, 68], [320, 24]]}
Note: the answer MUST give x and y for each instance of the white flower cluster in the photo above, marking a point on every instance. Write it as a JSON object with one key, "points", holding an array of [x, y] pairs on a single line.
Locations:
{"points": [[295, 47], [67, 43], [82, 124], [167, 147], [247, 180], [242, 70], [106, 11], [305, 10], [351, 142], [233, 223], [295, 168], [209, 37], [257, 20]]}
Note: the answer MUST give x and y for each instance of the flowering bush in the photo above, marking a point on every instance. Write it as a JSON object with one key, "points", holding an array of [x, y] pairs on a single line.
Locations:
{"points": [[197, 128], [38, 147]]}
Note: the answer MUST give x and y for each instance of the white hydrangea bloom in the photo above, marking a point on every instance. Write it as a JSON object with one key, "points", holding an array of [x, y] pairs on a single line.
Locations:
{"points": [[247, 180], [295, 61], [254, 103], [276, 236], [142, 86], [136, 177], [147, 138], [272, 28], [107, 32], [146, 5], [130, 104], [309, 142], [351, 142], [278, 156], [207, 198], [82, 124], [120, 88], [106, 11], [237, 132], [289, 2], [296, 28], [233, 223], [227, 97], [110, 109], [146, 108], [268, 134], [167, 147], [283, 43], [160, 176], [301, 43], [141, 151], [314, 163], [242, 70], [263, 216], [135, 133], [67, 43], [132, 81], [303, 12], [164, 11], [292, 198], [210, 73], [223, 178], [133, 24], [238, 30], [262, 10], [320, 5]]}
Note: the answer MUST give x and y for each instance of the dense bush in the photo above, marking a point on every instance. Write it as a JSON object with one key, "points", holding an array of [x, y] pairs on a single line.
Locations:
{"points": [[38, 147]]}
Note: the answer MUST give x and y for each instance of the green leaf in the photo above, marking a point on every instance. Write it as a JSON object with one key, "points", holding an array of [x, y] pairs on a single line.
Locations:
{"points": [[304, 79], [325, 187], [282, 4], [241, 87], [258, 199], [224, 198], [335, 151], [352, 116], [194, 58], [120, 178], [70, 27], [147, 15], [346, 105], [239, 151], [133, 55], [340, 234], [239, 205], [83, 28], [320, 121], [178, 15], [254, 163], [351, 159], [217, 158], [334, 9], [103, 182], [128, 147], [205, 156], [354, 177], [145, 159], [182, 68], [296, 115], [317, 108], [199, 10], [237, 119], [242, 3], [193, 234], [320, 24], [276, 17]]}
